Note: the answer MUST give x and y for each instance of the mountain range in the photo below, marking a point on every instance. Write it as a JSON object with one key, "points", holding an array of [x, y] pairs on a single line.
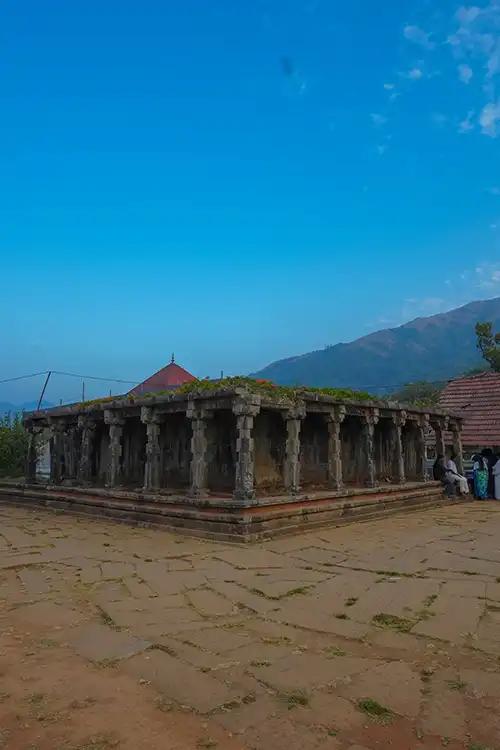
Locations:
{"points": [[435, 348]]}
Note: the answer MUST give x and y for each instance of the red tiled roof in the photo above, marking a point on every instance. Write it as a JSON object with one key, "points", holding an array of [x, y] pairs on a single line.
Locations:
{"points": [[169, 377], [477, 398]]}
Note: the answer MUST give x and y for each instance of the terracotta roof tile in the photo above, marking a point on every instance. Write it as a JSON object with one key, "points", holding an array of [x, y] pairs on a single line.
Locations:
{"points": [[478, 398]]}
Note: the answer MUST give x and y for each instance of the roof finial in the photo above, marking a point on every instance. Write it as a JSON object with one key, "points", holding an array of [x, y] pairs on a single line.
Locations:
{"points": [[173, 358]]}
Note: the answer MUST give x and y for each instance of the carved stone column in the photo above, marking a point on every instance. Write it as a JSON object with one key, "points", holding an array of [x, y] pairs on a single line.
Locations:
{"points": [[422, 425], [398, 422], [199, 449], [69, 449], [334, 421], [439, 426], [115, 422], [456, 429], [88, 428], [291, 471], [56, 451], [245, 412], [370, 419], [152, 468], [32, 454]]}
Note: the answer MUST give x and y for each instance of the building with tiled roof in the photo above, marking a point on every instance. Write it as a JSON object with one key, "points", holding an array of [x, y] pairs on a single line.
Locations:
{"points": [[477, 399], [168, 378]]}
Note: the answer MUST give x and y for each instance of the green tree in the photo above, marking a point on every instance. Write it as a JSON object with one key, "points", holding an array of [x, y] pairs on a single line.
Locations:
{"points": [[13, 446], [420, 393], [488, 344]]}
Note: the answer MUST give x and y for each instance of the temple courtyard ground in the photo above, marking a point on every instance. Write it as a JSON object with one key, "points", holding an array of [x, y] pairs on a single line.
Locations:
{"points": [[376, 635]]}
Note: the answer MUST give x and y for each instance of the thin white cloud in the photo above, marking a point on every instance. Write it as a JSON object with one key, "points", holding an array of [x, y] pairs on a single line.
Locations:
{"points": [[377, 119], [382, 148], [466, 16], [494, 190], [389, 86], [489, 118], [466, 125], [488, 275], [414, 74], [465, 73], [418, 36]]}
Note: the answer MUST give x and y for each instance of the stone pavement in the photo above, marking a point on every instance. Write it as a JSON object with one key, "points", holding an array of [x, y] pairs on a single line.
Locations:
{"points": [[375, 635]]}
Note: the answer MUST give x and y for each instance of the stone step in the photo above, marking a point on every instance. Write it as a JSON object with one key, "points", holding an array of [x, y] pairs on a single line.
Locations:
{"points": [[231, 524]]}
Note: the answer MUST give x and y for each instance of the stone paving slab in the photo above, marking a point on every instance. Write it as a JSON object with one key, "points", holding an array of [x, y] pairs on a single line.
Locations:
{"points": [[181, 683], [99, 643]]}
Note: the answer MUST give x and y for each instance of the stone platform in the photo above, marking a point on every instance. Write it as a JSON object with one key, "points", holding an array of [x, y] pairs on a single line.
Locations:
{"points": [[221, 518]]}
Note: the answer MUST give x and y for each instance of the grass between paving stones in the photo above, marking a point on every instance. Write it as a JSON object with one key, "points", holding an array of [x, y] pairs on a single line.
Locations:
{"points": [[295, 698], [96, 742], [429, 601], [292, 592], [332, 651], [375, 710], [477, 746], [456, 684], [106, 619], [393, 622], [351, 601], [205, 743]]}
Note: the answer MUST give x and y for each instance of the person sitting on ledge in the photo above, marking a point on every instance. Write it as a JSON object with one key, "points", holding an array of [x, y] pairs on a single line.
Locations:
{"points": [[459, 479], [441, 474]]}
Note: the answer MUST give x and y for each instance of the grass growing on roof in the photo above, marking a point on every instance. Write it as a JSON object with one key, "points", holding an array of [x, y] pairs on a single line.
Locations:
{"points": [[271, 390]]}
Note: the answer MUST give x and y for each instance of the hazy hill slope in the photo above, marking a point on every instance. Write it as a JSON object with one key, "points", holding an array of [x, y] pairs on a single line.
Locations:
{"points": [[434, 348]]}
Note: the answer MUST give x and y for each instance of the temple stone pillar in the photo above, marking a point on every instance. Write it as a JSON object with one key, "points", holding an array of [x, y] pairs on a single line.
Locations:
{"points": [[56, 429], [334, 421], [422, 425], [152, 468], [199, 449], [245, 412], [32, 454], [88, 429], [293, 418], [456, 429], [369, 420], [439, 426], [115, 472], [398, 422], [70, 454]]}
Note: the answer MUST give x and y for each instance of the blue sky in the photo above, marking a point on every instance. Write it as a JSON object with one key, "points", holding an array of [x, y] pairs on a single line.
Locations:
{"points": [[238, 181]]}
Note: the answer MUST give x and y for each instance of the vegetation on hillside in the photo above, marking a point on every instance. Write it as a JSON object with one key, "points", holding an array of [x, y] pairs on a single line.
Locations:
{"points": [[488, 344], [13, 446], [420, 394]]}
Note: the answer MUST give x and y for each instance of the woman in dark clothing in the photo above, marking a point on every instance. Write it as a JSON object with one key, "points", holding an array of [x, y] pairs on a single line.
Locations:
{"points": [[491, 460]]}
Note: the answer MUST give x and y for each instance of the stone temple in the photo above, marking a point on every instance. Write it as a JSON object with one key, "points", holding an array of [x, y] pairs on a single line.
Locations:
{"points": [[235, 459]]}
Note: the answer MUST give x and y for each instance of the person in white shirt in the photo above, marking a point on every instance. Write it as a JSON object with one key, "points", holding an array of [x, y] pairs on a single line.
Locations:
{"points": [[460, 480]]}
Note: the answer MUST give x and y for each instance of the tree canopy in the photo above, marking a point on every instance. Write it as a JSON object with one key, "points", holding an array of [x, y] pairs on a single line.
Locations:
{"points": [[488, 344]]}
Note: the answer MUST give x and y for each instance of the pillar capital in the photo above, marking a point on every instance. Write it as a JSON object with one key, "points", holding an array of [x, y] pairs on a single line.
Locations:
{"points": [[370, 417], [195, 410], [438, 422], [336, 414], [246, 407], [113, 418], [399, 418], [86, 422], [149, 415], [295, 412]]}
